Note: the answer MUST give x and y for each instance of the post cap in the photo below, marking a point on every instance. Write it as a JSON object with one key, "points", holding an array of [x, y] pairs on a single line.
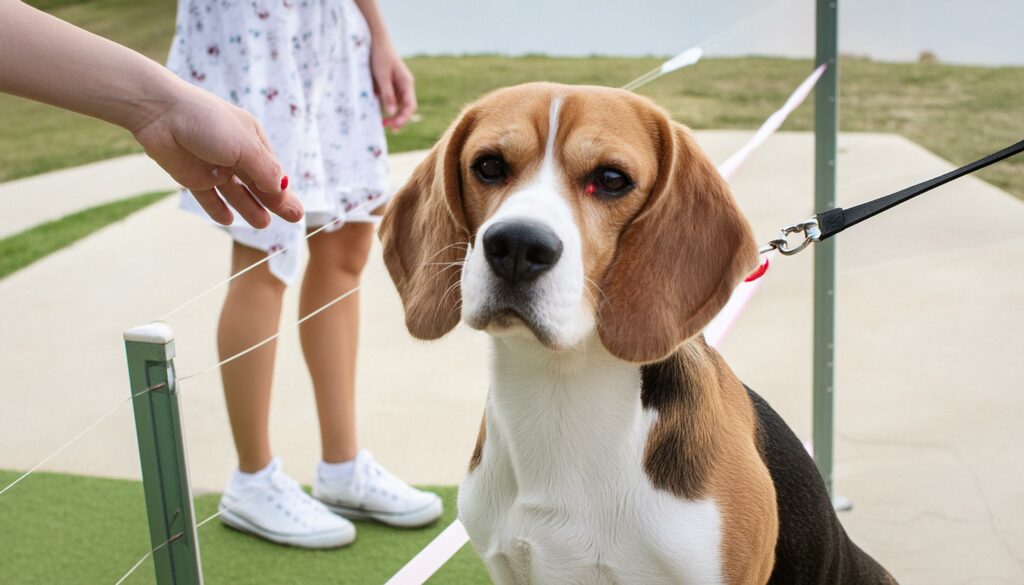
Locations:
{"points": [[155, 332]]}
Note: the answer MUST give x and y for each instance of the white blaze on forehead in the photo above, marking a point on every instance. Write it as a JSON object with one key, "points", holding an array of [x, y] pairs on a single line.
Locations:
{"points": [[558, 295], [541, 197], [549, 148]]}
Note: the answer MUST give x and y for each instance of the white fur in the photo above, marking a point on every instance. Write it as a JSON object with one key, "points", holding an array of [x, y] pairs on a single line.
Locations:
{"points": [[562, 309], [560, 495]]}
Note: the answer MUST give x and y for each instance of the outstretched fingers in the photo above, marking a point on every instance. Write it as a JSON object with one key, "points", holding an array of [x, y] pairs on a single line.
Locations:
{"points": [[244, 203], [213, 206]]}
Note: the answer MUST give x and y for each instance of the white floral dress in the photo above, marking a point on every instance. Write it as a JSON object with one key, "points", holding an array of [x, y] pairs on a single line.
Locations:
{"points": [[302, 67]]}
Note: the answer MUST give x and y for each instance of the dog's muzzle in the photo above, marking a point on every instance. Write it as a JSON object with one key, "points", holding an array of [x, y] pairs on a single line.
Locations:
{"points": [[520, 251]]}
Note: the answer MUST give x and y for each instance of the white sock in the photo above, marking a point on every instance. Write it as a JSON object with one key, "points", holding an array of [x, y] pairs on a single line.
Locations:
{"points": [[337, 471], [259, 478]]}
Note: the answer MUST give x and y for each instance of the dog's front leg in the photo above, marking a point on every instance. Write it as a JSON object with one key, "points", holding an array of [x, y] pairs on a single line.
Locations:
{"points": [[503, 569]]}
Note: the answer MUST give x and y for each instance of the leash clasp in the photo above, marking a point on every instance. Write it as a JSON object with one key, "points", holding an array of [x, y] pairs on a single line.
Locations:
{"points": [[809, 228]]}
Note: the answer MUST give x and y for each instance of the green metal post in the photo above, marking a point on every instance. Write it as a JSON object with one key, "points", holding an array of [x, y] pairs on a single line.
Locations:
{"points": [[826, 129], [172, 529]]}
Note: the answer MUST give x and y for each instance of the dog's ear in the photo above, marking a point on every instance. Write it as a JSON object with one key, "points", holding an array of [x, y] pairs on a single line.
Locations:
{"points": [[678, 260], [425, 236]]}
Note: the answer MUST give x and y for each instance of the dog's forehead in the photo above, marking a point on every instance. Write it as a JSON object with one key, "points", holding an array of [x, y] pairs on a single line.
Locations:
{"points": [[512, 118], [521, 114]]}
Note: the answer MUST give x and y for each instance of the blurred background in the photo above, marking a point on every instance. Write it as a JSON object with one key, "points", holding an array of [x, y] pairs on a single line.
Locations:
{"points": [[875, 29]]}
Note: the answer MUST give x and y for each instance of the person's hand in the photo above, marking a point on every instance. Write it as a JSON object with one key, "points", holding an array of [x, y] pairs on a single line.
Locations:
{"points": [[208, 146], [393, 83], [204, 143]]}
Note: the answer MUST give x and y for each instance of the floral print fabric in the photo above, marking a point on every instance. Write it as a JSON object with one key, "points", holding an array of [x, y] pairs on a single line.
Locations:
{"points": [[302, 68]]}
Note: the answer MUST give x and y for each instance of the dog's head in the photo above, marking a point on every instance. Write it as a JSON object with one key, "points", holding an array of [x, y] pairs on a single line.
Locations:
{"points": [[552, 211]]}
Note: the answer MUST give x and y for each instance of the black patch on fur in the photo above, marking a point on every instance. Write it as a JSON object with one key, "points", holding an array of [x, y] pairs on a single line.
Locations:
{"points": [[662, 384], [676, 462], [813, 548]]}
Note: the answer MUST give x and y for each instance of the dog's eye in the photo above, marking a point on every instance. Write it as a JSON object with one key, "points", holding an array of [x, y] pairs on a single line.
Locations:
{"points": [[609, 182], [490, 169]]}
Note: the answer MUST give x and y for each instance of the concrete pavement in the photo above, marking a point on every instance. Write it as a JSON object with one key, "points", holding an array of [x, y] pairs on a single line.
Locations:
{"points": [[930, 440], [27, 202]]}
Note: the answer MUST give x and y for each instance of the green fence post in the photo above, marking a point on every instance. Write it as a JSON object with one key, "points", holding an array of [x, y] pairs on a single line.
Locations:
{"points": [[826, 130], [172, 529]]}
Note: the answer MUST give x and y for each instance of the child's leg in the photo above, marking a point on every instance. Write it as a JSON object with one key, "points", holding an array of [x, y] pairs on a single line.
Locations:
{"points": [[251, 313], [329, 341]]}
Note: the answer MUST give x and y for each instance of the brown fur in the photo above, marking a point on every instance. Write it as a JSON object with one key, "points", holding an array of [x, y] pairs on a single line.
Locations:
{"points": [[478, 451], [594, 127], [704, 445], [660, 261], [423, 233], [435, 214], [679, 259]]}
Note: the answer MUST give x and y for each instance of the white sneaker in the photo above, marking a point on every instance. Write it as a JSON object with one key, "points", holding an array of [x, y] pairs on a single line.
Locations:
{"points": [[273, 506], [374, 493]]}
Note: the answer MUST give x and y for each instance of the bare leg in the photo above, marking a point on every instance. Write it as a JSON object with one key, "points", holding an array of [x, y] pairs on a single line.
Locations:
{"points": [[251, 313], [330, 340]]}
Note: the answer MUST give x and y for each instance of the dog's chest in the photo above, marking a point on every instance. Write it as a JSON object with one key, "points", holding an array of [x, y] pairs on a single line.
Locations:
{"points": [[560, 496]]}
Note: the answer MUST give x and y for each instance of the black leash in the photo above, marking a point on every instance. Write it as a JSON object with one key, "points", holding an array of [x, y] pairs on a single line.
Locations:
{"points": [[829, 223]]}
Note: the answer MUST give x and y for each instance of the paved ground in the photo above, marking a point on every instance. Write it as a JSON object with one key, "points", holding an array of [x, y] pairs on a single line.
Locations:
{"points": [[931, 447], [34, 200]]}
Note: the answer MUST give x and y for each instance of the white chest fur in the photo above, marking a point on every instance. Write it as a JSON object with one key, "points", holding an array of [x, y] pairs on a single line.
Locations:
{"points": [[560, 494]]}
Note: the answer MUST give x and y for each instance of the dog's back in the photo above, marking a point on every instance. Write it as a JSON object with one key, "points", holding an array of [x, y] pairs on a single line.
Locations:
{"points": [[812, 547]]}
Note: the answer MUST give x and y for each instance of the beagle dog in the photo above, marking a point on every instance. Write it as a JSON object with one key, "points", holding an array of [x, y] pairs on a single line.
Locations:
{"points": [[587, 233]]}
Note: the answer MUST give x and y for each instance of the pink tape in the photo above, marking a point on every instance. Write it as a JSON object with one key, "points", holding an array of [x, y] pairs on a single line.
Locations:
{"points": [[772, 124], [720, 326]]}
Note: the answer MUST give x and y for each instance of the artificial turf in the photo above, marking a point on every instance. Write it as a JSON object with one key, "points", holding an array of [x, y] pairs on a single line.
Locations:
{"points": [[61, 528]]}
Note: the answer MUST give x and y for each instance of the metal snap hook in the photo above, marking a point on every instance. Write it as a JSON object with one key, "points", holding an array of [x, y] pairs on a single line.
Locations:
{"points": [[811, 234]]}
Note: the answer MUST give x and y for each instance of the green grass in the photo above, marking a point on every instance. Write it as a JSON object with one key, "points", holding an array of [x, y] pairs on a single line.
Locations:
{"points": [[960, 113], [35, 138], [21, 249], [58, 528]]}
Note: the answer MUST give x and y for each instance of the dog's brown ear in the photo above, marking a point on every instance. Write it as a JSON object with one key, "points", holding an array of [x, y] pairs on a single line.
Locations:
{"points": [[678, 260], [425, 236]]}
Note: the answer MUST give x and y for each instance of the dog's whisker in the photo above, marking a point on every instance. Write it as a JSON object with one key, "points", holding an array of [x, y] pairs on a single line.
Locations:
{"points": [[441, 271], [596, 287], [444, 297], [466, 245], [449, 291]]}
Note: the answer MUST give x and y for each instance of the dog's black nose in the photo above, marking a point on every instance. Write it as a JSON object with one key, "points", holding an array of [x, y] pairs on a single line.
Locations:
{"points": [[520, 251]]}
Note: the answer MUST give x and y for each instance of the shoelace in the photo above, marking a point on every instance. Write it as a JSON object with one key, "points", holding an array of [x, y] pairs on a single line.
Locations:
{"points": [[368, 474], [293, 497]]}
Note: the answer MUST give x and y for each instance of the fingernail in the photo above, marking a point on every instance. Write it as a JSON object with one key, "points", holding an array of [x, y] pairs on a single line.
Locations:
{"points": [[391, 111], [284, 182]]}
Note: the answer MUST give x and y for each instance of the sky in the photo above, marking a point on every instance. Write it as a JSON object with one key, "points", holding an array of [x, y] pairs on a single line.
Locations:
{"points": [[981, 32]]}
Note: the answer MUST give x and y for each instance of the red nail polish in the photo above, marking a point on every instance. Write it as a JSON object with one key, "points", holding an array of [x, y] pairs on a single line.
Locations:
{"points": [[284, 182]]}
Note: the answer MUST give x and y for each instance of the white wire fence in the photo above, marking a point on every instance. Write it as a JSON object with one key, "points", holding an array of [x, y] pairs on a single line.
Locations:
{"points": [[684, 59]]}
